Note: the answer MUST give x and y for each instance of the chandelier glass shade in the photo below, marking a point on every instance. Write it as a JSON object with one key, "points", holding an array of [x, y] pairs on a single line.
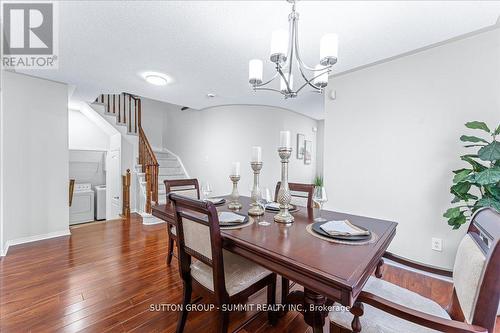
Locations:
{"points": [[285, 53]]}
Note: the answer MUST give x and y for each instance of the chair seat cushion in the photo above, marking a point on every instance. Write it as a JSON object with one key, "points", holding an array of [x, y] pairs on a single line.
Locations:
{"points": [[239, 273], [378, 321]]}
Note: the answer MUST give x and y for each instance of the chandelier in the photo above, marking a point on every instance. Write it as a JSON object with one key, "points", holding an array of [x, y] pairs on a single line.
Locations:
{"points": [[284, 47]]}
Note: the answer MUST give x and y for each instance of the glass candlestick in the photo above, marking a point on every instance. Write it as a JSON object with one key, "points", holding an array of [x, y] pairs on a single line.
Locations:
{"points": [[284, 195], [234, 203], [255, 209]]}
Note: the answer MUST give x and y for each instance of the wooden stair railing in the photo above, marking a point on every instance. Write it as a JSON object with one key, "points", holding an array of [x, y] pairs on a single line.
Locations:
{"points": [[127, 109], [71, 190], [126, 194], [150, 167]]}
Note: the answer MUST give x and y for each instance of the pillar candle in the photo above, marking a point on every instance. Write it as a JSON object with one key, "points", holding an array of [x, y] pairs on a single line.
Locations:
{"points": [[236, 169], [285, 139], [256, 154]]}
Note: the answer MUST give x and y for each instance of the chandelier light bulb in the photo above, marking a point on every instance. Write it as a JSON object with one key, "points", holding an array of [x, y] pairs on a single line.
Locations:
{"points": [[320, 81], [255, 69], [328, 49], [279, 46]]}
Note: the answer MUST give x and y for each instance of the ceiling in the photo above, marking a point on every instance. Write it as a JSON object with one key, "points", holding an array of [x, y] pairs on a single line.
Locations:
{"points": [[206, 45]]}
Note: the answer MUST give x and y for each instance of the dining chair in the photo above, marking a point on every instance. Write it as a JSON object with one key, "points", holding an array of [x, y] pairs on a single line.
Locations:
{"points": [[204, 264], [384, 307], [302, 195], [186, 187]]}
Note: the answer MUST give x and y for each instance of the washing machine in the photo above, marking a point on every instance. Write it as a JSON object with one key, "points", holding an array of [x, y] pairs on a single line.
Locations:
{"points": [[100, 202], [82, 207]]}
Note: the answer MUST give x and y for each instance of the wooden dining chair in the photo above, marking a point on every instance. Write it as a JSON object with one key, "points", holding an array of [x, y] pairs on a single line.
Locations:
{"points": [[385, 307], [302, 195], [186, 187], [224, 276]]}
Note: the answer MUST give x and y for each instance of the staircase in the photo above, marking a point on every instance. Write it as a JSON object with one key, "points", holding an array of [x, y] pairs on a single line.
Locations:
{"points": [[170, 167], [153, 167]]}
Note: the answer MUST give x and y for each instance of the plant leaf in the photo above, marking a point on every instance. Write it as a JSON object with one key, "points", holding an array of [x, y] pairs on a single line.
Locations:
{"points": [[456, 222], [493, 190], [470, 146], [490, 152], [475, 164], [452, 212], [460, 190], [497, 131], [470, 138], [460, 176], [488, 176], [489, 202], [477, 125]]}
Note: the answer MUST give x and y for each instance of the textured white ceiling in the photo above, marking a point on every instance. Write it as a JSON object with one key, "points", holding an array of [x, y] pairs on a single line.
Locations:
{"points": [[206, 45]]}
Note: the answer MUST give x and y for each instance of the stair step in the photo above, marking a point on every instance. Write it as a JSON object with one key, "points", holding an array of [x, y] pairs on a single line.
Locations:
{"points": [[171, 163], [163, 154]]}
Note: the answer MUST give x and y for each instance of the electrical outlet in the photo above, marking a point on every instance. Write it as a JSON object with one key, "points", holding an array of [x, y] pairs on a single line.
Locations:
{"points": [[437, 244]]}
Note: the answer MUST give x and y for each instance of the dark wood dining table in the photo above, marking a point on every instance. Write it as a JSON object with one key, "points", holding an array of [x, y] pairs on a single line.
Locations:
{"points": [[327, 271]]}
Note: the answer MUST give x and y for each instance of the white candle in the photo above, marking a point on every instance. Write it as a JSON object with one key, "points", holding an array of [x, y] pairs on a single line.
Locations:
{"points": [[236, 169], [256, 154], [285, 139]]}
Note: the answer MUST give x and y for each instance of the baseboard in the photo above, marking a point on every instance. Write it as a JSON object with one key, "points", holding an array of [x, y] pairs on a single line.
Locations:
{"points": [[35, 238]]}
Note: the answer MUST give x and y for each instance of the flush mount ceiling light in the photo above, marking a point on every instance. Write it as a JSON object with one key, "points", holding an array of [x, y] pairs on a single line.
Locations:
{"points": [[284, 47], [158, 79]]}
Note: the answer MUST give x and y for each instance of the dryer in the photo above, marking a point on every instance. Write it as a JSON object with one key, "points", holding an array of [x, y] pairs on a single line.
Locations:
{"points": [[82, 207]]}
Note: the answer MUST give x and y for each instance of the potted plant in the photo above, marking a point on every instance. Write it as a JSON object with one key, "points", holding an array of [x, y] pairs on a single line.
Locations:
{"points": [[478, 185]]}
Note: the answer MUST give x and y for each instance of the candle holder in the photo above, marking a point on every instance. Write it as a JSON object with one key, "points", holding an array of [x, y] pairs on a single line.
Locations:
{"points": [[255, 209], [284, 195], [234, 203]]}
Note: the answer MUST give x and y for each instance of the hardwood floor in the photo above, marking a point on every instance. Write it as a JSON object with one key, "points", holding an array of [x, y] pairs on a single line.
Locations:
{"points": [[107, 276]]}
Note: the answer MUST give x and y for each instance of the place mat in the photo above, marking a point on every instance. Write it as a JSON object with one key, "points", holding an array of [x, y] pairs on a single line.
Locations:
{"points": [[238, 226], [373, 239]]}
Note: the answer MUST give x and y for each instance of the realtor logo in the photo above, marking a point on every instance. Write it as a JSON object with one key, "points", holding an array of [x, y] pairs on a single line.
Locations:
{"points": [[29, 35]]}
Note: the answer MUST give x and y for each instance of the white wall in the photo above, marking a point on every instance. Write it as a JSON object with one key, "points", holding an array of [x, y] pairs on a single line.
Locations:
{"points": [[34, 158], [84, 134], [208, 141], [87, 166], [320, 151], [392, 138], [152, 121]]}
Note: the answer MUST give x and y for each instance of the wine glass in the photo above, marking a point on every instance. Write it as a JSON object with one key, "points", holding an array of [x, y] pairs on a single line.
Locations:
{"points": [[206, 189], [320, 198], [264, 200]]}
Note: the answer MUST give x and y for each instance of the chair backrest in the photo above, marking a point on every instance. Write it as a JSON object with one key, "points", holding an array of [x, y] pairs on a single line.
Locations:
{"points": [[186, 187], [302, 194], [477, 269], [198, 236]]}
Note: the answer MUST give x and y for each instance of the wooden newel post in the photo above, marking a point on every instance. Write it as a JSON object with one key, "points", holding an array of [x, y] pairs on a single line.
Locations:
{"points": [[126, 194], [148, 189]]}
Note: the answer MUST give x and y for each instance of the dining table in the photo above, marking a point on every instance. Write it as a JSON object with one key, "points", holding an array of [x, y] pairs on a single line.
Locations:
{"points": [[329, 272]]}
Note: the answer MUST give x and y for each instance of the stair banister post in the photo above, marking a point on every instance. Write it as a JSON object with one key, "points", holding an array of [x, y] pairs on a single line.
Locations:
{"points": [[148, 189]]}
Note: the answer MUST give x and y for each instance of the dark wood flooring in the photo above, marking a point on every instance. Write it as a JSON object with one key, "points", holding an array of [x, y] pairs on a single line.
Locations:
{"points": [[106, 277]]}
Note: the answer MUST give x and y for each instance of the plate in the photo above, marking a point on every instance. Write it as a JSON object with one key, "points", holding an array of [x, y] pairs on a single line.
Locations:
{"points": [[292, 209], [316, 227]]}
